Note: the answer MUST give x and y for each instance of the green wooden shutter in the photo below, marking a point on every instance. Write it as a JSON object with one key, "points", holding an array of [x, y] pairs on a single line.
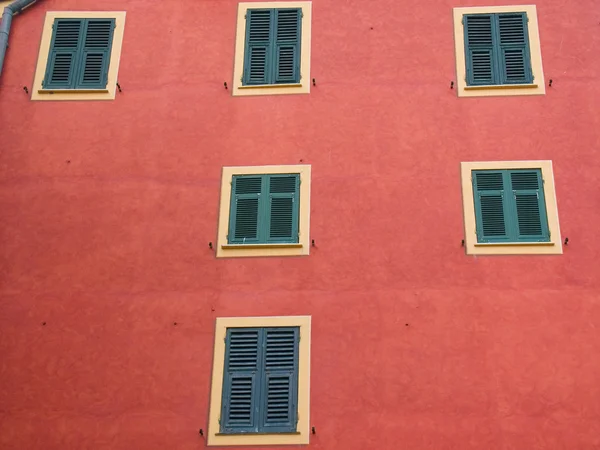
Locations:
{"points": [[63, 59], [490, 206], [479, 46], [246, 201], [241, 382], [287, 45], [514, 53], [258, 48], [530, 206], [279, 401], [95, 57], [283, 208]]}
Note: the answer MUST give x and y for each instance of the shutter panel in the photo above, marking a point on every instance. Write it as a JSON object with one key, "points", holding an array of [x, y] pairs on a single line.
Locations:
{"points": [[239, 412], [514, 48], [532, 222], [283, 208], [280, 380], [64, 51], [479, 45], [490, 206], [95, 59], [287, 45], [245, 207], [257, 58]]}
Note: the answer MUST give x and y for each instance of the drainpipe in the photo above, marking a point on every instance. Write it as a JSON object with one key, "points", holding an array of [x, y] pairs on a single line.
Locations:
{"points": [[14, 8]]}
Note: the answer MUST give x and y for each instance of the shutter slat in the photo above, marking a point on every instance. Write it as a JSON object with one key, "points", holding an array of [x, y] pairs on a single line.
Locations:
{"points": [[258, 48], [248, 185], [246, 225], [64, 48], [259, 25], [479, 30], [512, 29], [241, 380], [282, 215], [287, 48], [283, 208], [96, 53], [528, 215], [67, 33], [243, 348], [281, 379], [479, 43], [257, 64], [490, 206], [530, 205], [492, 215], [245, 209], [514, 45]]}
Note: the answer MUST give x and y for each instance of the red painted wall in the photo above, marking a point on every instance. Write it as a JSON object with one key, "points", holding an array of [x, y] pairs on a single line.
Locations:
{"points": [[414, 344]]}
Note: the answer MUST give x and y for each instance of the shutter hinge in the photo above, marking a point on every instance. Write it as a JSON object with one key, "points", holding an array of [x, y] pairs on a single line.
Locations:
{"points": [[301, 14], [462, 21], [245, 16], [219, 421]]}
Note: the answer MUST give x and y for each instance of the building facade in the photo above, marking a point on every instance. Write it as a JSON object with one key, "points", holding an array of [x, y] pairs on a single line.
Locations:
{"points": [[338, 225]]}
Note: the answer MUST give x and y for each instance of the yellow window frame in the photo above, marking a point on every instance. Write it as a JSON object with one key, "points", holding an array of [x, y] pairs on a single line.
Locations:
{"points": [[303, 87], [553, 247], [536, 88], [302, 435], [225, 250], [39, 93]]}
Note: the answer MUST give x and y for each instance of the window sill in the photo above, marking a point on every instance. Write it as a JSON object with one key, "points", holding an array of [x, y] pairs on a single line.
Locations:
{"points": [[243, 246], [72, 91], [267, 86], [293, 433], [501, 86], [513, 244]]}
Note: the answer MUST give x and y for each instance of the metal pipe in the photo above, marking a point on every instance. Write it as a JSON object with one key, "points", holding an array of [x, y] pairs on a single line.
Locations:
{"points": [[14, 8]]}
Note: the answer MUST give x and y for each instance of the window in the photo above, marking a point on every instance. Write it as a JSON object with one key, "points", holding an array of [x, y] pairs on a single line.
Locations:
{"points": [[498, 51], [79, 56], [272, 48], [264, 208], [260, 384], [510, 208], [264, 211], [260, 381], [497, 47], [272, 52]]}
